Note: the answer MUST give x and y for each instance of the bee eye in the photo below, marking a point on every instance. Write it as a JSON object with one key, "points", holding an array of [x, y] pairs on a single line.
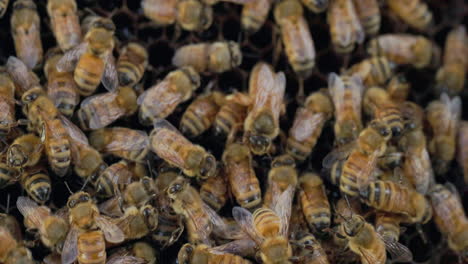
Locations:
{"points": [[72, 203]]}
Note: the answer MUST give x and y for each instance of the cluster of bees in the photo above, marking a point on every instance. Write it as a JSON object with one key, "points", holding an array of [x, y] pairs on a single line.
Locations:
{"points": [[149, 185]]}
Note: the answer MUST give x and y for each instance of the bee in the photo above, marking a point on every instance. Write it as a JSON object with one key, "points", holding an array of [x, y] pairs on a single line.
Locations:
{"points": [[415, 13], [282, 175], [51, 228], [61, 88], [243, 182], [387, 225], [24, 78], [65, 23], [266, 90], [254, 15], [138, 222], [12, 251], [344, 209], [398, 88], [88, 229], [378, 104], [215, 57], [214, 191], [7, 102], [308, 124], [139, 193], [92, 61], [140, 250], [37, 184], [194, 15], [160, 100], [346, 93], [404, 49], [368, 12], [374, 71], [450, 218], [26, 32], [230, 116], [170, 145], [345, 27], [316, 6], [126, 143], [3, 7], [100, 110], [310, 250], [8, 175], [314, 202], [132, 63], [389, 196], [201, 114], [297, 40], [450, 77], [462, 156], [113, 179], [443, 116], [202, 254], [24, 151], [161, 12]]}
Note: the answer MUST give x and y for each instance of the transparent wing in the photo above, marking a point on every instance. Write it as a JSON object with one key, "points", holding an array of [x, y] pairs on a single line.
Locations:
{"points": [[357, 89], [455, 112], [111, 207], [305, 124], [125, 260], [74, 133], [336, 88], [220, 228], [136, 143], [164, 130], [245, 220], [28, 208], [70, 247], [368, 256], [109, 78], [113, 112], [420, 170], [69, 60], [161, 86], [278, 95], [367, 171], [200, 229], [20, 73], [265, 85], [399, 252], [112, 233], [242, 247], [338, 154], [283, 204]]}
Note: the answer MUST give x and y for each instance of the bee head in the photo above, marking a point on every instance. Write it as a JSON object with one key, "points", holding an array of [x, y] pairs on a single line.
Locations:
{"points": [[185, 254], [150, 215], [208, 167]]}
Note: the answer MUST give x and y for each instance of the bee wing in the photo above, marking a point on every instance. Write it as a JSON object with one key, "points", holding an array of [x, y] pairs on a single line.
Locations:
{"points": [[113, 109], [28, 208], [20, 73], [369, 257], [455, 112], [245, 220], [265, 85], [357, 90], [278, 95], [451, 187], [74, 133], [337, 89], [112, 232], [305, 124], [164, 97], [399, 252], [125, 260], [338, 154], [128, 145], [111, 207], [109, 78], [421, 171], [242, 247], [283, 204], [70, 247], [69, 60], [165, 129], [367, 171], [52, 259], [153, 89], [122, 222], [220, 228]]}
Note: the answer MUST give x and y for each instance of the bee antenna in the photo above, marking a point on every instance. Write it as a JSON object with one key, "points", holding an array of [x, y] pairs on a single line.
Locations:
{"points": [[68, 187], [348, 203], [149, 168], [8, 204], [85, 183]]}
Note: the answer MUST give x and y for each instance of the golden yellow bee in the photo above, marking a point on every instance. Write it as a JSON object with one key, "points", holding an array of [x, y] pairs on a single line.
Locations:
{"points": [[266, 91], [443, 116], [61, 88], [308, 124], [88, 229], [282, 175], [254, 15], [161, 12], [345, 27], [368, 12], [24, 151], [450, 218], [404, 49], [7, 102], [122, 142], [415, 13], [51, 228], [216, 57], [346, 93], [194, 15], [92, 61], [167, 142], [398, 88], [37, 184], [316, 6], [138, 222], [374, 71], [160, 100], [132, 64], [462, 156], [11, 250], [230, 116], [201, 114], [450, 77], [113, 179], [26, 32], [201, 254], [3, 7], [295, 33], [65, 23], [314, 202], [214, 191]]}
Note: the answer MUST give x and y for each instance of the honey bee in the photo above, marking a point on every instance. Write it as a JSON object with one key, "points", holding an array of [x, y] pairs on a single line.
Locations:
{"points": [[389, 196], [308, 124], [126, 143], [403, 49], [51, 228], [8, 175], [64, 23], [3, 7], [167, 142], [309, 249], [450, 77], [266, 90], [161, 12], [201, 254], [415, 13], [194, 15], [345, 27], [24, 151], [314, 202], [241, 177], [132, 64], [140, 192], [374, 71], [450, 218], [443, 117], [297, 40], [346, 93], [282, 175], [37, 184], [26, 30], [388, 225], [398, 88], [378, 104], [368, 12], [88, 229], [61, 88], [24, 78], [100, 110], [113, 179], [316, 6], [92, 61], [201, 114], [7, 102], [216, 57], [214, 191], [230, 116], [160, 100], [12, 251], [462, 156], [138, 222], [254, 15]]}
